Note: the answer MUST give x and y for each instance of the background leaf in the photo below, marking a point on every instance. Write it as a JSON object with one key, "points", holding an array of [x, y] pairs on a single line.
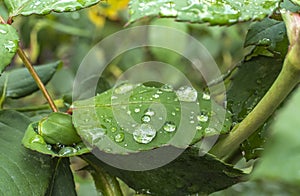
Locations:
{"points": [[214, 12], [28, 7], [188, 174], [22, 172], [62, 182], [20, 83], [283, 146], [119, 119], [9, 41]]}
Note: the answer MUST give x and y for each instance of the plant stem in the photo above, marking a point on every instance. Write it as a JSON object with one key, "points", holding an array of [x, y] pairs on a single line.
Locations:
{"points": [[288, 78], [37, 79]]}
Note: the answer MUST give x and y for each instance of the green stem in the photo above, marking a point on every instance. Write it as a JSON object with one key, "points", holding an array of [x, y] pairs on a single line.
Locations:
{"points": [[37, 79], [283, 85]]}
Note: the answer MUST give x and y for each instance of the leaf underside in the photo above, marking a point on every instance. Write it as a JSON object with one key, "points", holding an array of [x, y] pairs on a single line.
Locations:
{"points": [[214, 12]]}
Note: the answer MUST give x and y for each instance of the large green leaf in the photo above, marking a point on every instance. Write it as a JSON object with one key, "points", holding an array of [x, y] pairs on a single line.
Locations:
{"points": [[22, 172], [188, 174], [20, 83], [9, 43], [132, 118], [283, 146], [214, 12], [62, 182], [28, 7]]}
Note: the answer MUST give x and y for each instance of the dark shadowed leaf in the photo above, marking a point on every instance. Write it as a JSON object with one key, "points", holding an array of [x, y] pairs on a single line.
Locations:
{"points": [[62, 182], [9, 41], [22, 172], [188, 174], [213, 12], [19, 82]]}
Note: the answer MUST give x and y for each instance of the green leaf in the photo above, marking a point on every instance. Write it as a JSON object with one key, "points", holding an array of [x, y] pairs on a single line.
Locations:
{"points": [[106, 184], [132, 118], [249, 84], [215, 12], [288, 5], [28, 7], [22, 172], [20, 83], [62, 182], [36, 142], [270, 34], [283, 147], [297, 2], [188, 174], [9, 43]]}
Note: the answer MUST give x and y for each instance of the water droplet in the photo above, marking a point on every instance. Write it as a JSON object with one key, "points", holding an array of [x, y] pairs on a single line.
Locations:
{"points": [[123, 88], [113, 129], [156, 96], [137, 110], [206, 96], [173, 113], [96, 134], [67, 151], [169, 127], [149, 112], [37, 139], [192, 121], [202, 118], [119, 137], [10, 46], [3, 31], [128, 112], [187, 94], [167, 88], [198, 127], [146, 118], [144, 134], [211, 131]]}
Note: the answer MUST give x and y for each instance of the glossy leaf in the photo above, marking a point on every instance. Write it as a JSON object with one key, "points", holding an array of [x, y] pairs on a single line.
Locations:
{"points": [[36, 142], [269, 34], [188, 174], [213, 12], [28, 7], [133, 118], [283, 147], [20, 83], [62, 182], [9, 43], [22, 172]]}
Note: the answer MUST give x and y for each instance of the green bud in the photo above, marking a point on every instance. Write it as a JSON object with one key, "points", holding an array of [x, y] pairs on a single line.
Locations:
{"points": [[58, 128]]}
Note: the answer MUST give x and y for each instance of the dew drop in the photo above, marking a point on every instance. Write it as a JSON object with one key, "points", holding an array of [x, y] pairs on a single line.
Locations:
{"points": [[146, 118], [67, 151], [137, 110], [119, 137], [206, 96], [169, 127], [37, 139], [3, 31], [113, 129], [167, 88], [10, 46], [210, 131], [123, 88], [149, 112], [187, 94], [198, 127], [202, 118], [156, 96], [144, 134]]}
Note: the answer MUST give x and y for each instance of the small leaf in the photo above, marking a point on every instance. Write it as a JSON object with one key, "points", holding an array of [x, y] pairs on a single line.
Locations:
{"points": [[9, 43], [22, 172], [20, 83], [283, 147], [132, 118], [28, 7], [188, 174], [269, 33], [62, 182], [213, 12]]}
